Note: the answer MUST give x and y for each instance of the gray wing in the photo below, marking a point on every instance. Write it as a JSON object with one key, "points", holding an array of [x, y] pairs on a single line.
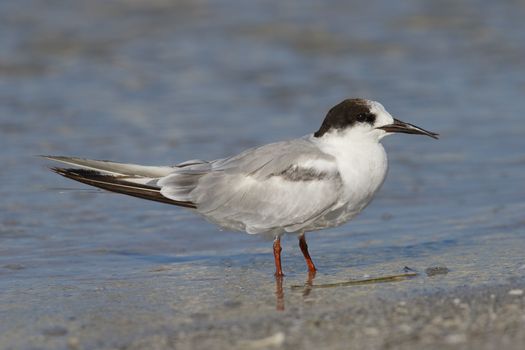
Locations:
{"points": [[277, 187]]}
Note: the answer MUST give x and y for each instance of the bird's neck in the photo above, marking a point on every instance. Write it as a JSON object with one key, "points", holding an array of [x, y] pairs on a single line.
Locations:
{"points": [[348, 146]]}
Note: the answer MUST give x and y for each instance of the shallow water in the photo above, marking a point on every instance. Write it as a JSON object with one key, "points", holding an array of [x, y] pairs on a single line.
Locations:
{"points": [[159, 83]]}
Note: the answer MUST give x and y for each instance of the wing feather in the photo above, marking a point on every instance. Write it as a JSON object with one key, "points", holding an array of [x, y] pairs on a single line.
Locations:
{"points": [[277, 187]]}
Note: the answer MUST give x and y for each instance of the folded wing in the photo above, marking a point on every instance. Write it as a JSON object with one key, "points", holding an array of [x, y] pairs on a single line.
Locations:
{"points": [[277, 187], [130, 179]]}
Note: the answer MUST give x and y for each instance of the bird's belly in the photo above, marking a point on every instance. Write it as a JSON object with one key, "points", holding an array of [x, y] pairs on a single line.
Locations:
{"points": [[339, 215]]}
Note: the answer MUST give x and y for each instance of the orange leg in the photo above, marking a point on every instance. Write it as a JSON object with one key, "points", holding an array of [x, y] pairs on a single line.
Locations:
{"points": [[304, 249], [277, 256]]}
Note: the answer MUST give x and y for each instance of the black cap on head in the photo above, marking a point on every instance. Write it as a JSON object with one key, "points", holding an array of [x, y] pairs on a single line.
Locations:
{"points": [[346, 114]]}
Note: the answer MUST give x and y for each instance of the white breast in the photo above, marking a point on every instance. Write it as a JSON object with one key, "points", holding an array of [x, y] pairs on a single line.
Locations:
{"points": [[363, 166]]}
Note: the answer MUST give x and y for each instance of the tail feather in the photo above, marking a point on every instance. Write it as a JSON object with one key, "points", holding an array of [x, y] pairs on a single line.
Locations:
{"points": [[114, 168], [119, 184]]}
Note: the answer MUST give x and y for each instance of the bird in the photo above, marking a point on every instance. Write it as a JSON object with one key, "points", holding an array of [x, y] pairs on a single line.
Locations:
{"points": [[318, 181]]}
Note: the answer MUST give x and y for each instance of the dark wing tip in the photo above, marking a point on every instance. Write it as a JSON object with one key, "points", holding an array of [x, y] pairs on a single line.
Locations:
{"points": [[119, 185], [59, 171]]}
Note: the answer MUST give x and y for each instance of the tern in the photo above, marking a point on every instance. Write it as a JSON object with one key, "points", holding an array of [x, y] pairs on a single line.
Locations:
{"points": [[302, 185]]}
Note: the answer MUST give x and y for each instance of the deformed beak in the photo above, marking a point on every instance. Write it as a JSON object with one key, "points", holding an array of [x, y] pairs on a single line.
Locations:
{"points": [[406, 128]]}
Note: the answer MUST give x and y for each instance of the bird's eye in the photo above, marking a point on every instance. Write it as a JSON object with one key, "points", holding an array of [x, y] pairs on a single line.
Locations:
{"points": [[366, 118]]}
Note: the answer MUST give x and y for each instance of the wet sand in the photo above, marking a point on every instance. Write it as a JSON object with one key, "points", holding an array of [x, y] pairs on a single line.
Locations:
{"points": [[114, 316]]}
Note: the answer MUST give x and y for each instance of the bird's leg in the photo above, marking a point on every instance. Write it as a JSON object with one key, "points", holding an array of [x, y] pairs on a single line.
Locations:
{"points": [[304, 249], [277, 256]]}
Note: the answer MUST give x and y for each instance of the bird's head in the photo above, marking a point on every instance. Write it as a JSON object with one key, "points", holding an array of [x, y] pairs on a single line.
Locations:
{"points": [[364, 118]]}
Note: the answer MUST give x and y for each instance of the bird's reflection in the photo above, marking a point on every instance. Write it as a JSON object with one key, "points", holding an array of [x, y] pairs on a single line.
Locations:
{"points": [[279, 291], [309, 285]]}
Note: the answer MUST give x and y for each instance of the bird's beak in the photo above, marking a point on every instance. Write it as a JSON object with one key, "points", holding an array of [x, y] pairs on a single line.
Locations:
{"points": [[406, 128]]}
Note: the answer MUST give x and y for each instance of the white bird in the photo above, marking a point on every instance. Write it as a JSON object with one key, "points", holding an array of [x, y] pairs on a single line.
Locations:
{"points": [[307, 184]]}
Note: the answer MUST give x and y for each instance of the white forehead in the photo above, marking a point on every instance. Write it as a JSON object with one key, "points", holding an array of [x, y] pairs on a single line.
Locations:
{"points": [[383, 117], [376, 107]]}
